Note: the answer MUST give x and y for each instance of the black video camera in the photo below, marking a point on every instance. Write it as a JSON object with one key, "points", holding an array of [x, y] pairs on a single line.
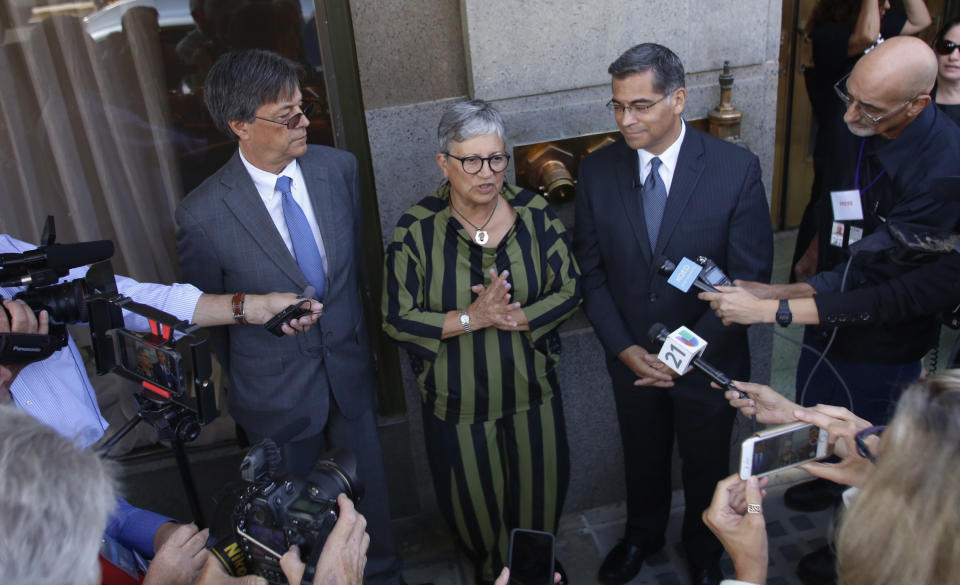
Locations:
{"points": [[174, 371], [39, 270], [271, 513]]}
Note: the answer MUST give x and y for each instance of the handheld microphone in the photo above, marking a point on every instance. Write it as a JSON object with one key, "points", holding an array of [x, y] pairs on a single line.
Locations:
{"points": [[668, 266], [659, 333], [708, 274]]}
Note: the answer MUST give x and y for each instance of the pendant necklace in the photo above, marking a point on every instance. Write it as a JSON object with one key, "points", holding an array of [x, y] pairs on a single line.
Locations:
{"points": [[481, 237]]}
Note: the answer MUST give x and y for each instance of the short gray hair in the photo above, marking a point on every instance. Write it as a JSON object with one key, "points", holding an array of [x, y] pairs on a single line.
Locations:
{"points": [[666, 66], [240, 82], [465, 120], [54, 504]]}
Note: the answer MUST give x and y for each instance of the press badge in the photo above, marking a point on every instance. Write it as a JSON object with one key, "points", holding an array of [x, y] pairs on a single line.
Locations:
{"points": [[856, 234], [846, 205], [836, 234]]}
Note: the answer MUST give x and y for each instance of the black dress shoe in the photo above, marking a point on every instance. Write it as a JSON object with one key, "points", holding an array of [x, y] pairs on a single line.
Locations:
{"points": [[818, 567], [710, 575], [813, 496], [623, 562]]}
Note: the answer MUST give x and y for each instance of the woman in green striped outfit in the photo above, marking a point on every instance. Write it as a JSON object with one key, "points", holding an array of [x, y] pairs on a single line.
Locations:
{"points": [[478, 277]]}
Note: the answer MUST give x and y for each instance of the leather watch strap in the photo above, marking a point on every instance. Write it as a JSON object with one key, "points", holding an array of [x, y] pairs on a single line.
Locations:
{"points": [[238, 313]]}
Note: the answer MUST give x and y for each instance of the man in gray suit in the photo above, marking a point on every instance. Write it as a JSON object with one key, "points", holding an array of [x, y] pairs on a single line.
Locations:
{"points": [[284, 216]]}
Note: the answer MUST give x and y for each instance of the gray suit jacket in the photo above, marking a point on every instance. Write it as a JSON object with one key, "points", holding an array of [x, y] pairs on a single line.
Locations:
{"points": [[228, 243]]}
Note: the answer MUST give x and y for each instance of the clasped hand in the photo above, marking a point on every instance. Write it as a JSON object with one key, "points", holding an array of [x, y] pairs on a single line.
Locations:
{"points": [[492, 306], [650, 371]]}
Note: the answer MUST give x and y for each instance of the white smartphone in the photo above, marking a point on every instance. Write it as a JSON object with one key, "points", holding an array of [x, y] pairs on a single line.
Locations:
{"points": [[781, 447]]}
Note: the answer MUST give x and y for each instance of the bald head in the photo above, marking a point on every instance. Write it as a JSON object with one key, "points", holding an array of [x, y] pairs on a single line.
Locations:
{"points": [[891, 83], [903, 65]]}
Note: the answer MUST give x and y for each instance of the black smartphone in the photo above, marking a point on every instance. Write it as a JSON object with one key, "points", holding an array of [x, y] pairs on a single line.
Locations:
{"points": [[149, 360], [531, 557]]}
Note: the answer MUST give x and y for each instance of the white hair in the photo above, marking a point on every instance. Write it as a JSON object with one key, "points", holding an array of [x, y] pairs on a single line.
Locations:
{"points": [[54, 505]]}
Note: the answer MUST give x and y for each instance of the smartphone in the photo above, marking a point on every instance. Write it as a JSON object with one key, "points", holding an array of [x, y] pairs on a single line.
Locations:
{"points": [[781, 447], [531, 557], [149, 361]]}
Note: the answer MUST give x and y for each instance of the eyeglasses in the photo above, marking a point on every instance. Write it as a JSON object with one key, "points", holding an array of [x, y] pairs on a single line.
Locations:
{"points": [[293, 121], [945, 47], [861, 440], [472, 164], [841, 88], [619, 109]]}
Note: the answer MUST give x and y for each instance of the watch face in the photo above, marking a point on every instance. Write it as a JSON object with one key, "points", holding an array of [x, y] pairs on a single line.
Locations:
{"points": [[464, 319]]}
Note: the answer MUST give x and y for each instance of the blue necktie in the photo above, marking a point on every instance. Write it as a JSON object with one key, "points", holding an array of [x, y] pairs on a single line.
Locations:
{"points": [[654, 202], [304, 245]]}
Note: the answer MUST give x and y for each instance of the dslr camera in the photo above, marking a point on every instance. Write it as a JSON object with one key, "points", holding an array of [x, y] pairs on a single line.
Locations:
{"points": [[273, 511]]}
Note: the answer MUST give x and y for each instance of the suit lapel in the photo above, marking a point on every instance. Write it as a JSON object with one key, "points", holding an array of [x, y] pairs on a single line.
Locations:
{"points": [[690, 166], [240, 196], [627, 177], [318, 186]]}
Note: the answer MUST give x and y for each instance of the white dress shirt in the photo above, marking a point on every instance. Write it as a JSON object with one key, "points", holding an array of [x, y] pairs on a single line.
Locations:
{"points": [[266, 184], [668, 160]]}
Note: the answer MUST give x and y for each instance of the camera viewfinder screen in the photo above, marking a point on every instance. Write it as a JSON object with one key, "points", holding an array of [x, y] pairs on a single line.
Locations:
{"points": [[148, 362], [779, 451]]}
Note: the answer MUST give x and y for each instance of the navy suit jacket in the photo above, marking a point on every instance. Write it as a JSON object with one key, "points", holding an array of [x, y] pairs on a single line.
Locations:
{"points": [[228, 243], [716, 207]]}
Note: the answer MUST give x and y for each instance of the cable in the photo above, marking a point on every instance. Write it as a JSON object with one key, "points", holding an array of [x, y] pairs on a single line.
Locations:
{"points": [[823, 355]]}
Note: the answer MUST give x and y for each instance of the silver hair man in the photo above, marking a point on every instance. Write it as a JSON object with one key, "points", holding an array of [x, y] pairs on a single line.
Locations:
{"points": [[54, 505]]}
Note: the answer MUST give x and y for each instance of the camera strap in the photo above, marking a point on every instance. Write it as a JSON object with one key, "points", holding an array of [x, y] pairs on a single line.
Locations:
{"points": [[24, 348]]}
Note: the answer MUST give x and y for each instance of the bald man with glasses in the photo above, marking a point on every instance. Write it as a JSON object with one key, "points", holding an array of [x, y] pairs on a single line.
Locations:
{"points": [[899, 198]]}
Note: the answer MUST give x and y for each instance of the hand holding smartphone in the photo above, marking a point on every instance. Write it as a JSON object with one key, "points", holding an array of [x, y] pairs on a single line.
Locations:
{"points": [[781, 447], [531, 557]]}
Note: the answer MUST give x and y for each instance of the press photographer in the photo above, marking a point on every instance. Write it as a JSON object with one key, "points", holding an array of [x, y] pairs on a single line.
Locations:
{"points": [[58, 392]]}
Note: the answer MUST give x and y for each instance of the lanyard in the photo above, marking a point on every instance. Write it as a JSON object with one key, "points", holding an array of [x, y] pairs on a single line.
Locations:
{"points": [[856, 180]]}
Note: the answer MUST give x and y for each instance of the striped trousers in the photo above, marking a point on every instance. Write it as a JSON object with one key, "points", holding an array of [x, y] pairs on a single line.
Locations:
{"points": [[493, 476]]}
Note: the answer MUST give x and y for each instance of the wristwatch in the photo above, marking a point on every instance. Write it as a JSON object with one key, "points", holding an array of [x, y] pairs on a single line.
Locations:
{"points": [[465, 321], [784, 316]]}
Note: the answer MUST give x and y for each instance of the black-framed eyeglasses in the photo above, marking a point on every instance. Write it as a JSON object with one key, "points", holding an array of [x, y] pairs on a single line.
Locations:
{"points": [[294, 120], [861, 440], [840, 88], [945, 47], [472, 164], [619, 109]]}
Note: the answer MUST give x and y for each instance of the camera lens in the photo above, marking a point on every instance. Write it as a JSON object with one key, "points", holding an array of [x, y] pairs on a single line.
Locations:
{"points": [[66, 303], [334, 474]]}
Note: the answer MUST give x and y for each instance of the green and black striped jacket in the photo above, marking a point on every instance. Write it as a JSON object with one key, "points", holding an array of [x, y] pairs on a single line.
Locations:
{"points": [[431, 263]]}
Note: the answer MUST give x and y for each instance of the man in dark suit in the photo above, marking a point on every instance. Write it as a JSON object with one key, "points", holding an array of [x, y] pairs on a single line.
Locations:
{"points": [[282, 216], [665, 190]]}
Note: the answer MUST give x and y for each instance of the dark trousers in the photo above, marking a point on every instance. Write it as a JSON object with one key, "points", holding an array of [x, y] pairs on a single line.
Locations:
{"points": [[874, 388], [701, 420], [494, 476], [360, 436]]}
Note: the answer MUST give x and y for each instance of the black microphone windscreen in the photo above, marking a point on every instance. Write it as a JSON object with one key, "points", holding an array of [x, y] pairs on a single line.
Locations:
{"points": [[65, 256], [667, 266], [658, 332]]}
